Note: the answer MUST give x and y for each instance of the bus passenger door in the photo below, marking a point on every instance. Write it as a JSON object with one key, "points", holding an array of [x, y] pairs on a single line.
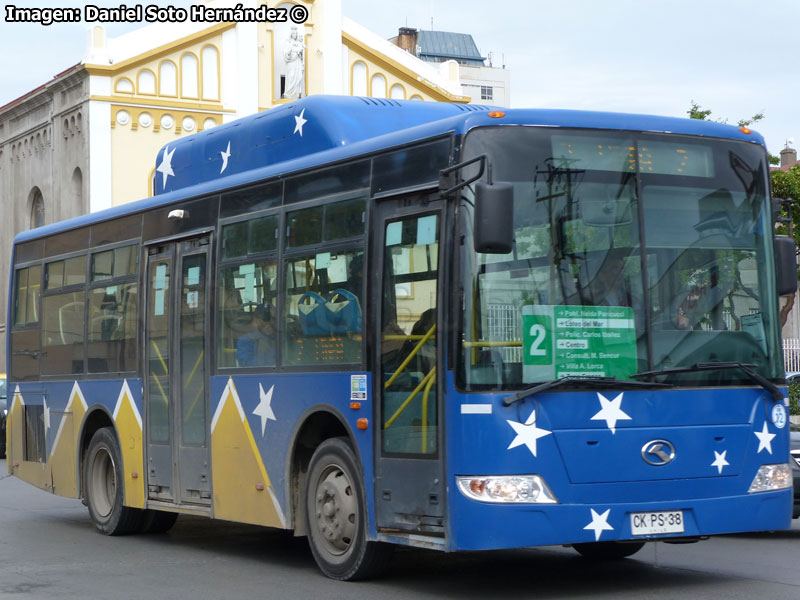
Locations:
{"points": [[407, 382], [176, 358]]}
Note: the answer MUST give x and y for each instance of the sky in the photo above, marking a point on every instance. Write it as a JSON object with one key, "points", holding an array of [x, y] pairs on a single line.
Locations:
{"points": [[734, 57]]}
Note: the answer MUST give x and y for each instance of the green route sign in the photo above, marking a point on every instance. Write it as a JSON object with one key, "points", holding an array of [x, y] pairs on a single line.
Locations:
{"points": [[561, 341]]}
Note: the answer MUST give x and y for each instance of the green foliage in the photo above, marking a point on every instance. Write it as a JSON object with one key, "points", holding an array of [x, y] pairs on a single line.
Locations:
{"points": [[754, 119], [697, 112], [794, 398], [786, 184]]}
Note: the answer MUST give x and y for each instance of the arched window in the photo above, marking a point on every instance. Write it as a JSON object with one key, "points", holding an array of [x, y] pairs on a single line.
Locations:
{"points": [[168, 79], [147, 82], [189, 76], [359, 79], [378, 86], [416, 97], [37, 208], [398, 93], [124, 85], [210, 58], [77, 188]]}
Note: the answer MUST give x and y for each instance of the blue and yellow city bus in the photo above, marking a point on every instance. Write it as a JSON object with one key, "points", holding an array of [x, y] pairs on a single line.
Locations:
{"points": [[376, 322]]}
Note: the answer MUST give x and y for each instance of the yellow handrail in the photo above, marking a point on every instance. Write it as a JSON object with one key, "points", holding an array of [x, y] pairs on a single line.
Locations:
{"points": [[160, 358], [197, 364], [166, 372], [425, 412], [411, 355], [411, 396]]}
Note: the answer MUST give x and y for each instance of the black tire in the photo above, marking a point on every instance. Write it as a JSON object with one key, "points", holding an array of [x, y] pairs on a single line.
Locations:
{"points": [[158, 521], [103, 486], [337, 518], [608, 550]]}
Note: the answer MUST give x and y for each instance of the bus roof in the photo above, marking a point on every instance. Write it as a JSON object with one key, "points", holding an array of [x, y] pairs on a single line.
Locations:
{"points": [[320, 129]]}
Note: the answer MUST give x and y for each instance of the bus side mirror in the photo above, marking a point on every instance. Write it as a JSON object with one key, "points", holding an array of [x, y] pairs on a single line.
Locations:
{"points": [[785, 265], [494, 217]]}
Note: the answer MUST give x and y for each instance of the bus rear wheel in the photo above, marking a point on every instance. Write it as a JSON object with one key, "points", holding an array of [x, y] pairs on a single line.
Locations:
{"points": [[337, 517], [608, 550], [103, 486]]}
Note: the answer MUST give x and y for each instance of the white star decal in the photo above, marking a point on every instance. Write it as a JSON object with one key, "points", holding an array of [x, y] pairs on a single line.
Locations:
{"points": [[225, 156], [165, 168], [599, 523], [527, 433], [719, 460], [264, 408], [46, 416], [764, 439], [299, 121], [610, 412]]}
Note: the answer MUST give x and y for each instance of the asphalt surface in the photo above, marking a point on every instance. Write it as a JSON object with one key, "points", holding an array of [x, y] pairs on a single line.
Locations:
{"points": [[49, 549]]}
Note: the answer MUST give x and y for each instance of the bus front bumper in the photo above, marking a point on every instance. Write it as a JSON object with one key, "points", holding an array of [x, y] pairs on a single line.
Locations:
{"points": [[484, 526]]}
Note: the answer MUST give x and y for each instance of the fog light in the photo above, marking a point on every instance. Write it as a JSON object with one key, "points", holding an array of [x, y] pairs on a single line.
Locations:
{"points": [[772, 477], [521, 489]]}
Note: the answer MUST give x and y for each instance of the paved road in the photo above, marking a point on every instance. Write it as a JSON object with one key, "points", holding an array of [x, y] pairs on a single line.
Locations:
{"points": [[49, 549]]}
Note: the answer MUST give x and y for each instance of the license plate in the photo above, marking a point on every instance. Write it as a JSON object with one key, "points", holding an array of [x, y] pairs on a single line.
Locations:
{"points": [[652, 523]]}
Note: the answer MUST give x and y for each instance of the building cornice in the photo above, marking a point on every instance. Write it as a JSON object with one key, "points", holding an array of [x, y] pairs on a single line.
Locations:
{"points": [[401, 71], [169, 104], [160, 51]]}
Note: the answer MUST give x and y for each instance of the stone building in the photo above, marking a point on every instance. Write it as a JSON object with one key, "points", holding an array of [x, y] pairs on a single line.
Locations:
{"points": [[87, 139]]}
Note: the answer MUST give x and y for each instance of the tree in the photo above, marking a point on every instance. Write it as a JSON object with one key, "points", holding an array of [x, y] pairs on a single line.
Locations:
{"points": [[697, 112]]}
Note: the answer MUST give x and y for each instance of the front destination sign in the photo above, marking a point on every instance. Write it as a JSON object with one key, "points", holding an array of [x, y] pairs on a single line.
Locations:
{"points": [[577, 341]]}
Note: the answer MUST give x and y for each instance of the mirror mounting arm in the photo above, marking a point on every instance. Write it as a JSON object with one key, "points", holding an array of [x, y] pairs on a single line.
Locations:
{"points": [[447, 177]]}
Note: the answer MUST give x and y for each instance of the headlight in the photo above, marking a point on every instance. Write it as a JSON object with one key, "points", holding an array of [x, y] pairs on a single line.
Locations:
{"points": [[520, 489], [772, 477]]}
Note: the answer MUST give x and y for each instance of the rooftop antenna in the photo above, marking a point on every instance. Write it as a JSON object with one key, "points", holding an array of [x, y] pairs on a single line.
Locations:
{"points": [[789, 142]]}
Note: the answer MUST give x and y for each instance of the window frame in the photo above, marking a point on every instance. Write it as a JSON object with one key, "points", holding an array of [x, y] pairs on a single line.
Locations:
{"points": [[123, 280], [281, 255], [13, 326]]}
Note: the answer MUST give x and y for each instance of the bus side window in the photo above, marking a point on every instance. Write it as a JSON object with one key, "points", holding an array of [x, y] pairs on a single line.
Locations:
{"points": [[323, 314], [247, 313]]}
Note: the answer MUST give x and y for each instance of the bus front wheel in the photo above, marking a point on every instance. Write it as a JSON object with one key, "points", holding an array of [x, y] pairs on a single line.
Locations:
{"points": [[337, 517], [103, 487], [608, 550]]}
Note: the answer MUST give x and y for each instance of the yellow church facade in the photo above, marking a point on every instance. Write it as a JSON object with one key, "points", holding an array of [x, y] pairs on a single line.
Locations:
{"points": [[167, 80]]}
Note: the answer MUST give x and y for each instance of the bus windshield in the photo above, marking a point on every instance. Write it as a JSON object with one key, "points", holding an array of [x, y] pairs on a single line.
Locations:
{"points": [[632, 252]]}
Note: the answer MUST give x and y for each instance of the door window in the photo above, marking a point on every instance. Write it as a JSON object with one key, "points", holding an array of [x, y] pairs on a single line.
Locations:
{"points": [[408, 336]]}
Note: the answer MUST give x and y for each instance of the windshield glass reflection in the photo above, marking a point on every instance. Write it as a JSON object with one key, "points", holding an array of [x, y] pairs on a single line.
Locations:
{"points": [[631, 252]]}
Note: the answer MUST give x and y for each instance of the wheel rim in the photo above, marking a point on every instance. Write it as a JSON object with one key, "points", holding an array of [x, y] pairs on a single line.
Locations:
{"points": [[336, 510], [104, 483]]}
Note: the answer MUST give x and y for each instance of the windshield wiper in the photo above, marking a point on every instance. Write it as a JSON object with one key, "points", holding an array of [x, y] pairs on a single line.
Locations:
{"points": [[746, 368], [612, 382]]}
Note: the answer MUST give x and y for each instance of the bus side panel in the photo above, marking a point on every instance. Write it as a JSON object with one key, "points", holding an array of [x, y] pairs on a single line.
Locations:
{"points": [[58, 416], [128, 419], [255, 419]]}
